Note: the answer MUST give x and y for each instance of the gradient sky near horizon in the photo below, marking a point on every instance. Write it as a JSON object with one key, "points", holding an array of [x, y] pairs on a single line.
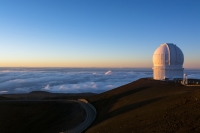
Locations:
{"points": [[96, 33]]}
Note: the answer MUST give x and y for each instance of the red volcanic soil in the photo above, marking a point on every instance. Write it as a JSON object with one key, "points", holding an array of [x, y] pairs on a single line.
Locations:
{"points": [[146, 106], [39, 116]]}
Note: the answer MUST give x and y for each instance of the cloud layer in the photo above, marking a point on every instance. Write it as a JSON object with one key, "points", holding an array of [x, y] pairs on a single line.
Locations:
{"points": [[69, 80], [66, 80]]}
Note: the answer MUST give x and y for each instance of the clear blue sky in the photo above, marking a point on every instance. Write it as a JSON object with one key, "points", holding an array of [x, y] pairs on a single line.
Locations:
{"points": [[96, 33]]}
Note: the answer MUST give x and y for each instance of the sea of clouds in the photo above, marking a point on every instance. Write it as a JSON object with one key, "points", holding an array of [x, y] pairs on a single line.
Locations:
{"points": [[70, 80]]}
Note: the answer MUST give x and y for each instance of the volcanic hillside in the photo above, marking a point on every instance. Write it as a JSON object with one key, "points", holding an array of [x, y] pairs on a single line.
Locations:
{"points": [[147, 106], [17, 116]]}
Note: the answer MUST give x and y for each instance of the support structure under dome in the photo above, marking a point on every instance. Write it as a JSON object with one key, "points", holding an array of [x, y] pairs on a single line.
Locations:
{"points": [[168, 62]]}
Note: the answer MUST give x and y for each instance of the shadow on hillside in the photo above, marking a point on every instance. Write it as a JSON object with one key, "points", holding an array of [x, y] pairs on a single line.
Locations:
{"points": [[104, 104], [126, 108], [130, 107], [124, 94]]}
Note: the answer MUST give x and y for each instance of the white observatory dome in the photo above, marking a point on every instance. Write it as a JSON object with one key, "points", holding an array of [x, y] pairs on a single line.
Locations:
{"points": [[168, 62], [168, 54]]}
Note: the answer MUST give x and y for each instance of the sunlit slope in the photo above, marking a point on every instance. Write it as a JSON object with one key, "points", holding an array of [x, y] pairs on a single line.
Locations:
{"points": [[147, 106]]}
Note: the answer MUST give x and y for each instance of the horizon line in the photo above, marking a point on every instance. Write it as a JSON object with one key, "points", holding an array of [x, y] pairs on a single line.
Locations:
{"points": [[65, 67]]}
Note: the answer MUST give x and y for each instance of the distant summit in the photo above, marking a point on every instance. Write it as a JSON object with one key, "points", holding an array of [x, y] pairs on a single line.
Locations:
{"points": [[39, 92], [4, 98]]}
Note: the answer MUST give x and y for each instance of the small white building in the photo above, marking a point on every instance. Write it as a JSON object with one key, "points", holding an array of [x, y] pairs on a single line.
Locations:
{"points": [[168, 62]]}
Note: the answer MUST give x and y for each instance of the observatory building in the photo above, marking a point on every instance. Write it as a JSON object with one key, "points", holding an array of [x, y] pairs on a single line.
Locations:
{"points": [[168, 62]]}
